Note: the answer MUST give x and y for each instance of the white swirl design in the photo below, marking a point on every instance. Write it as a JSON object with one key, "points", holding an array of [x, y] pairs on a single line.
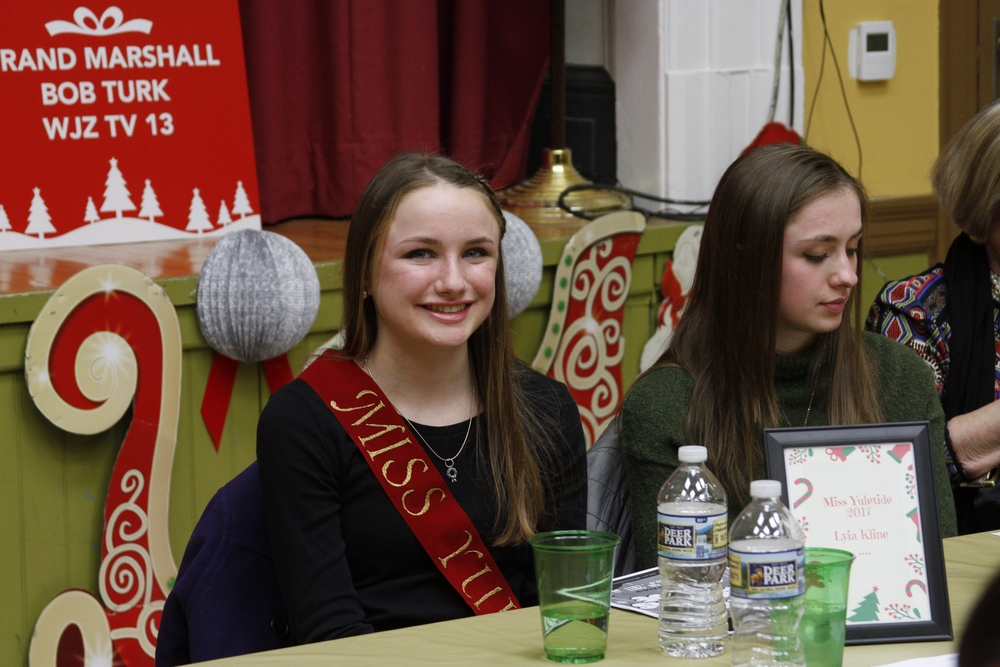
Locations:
{"points": [[590, 348], [72, 607], [145, 631], [584, 352], [138, 567], [106, 371], [126, 572]]}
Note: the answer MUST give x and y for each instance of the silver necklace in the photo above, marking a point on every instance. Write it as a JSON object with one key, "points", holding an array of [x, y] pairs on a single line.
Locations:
{"points": [[811, 397], [450, 470]]}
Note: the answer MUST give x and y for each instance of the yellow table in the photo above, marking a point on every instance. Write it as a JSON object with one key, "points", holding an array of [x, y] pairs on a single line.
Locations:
{"points": [[515, 638]]}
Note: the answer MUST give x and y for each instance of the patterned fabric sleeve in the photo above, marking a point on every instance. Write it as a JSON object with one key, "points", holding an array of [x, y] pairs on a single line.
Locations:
{"points": [[911, 311]]}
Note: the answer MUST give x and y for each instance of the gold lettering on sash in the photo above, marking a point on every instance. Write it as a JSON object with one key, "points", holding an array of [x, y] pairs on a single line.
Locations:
{"points": [[370, 413], [409, 473], [427, 500], [389, 448], [479, 554], [360, 423], [386, 428], [486, 569], [487, 596], [333, 404], [363, 392]]}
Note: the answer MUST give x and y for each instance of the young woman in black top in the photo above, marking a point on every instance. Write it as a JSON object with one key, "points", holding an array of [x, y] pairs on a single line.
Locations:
{"points": [[425, 318]]}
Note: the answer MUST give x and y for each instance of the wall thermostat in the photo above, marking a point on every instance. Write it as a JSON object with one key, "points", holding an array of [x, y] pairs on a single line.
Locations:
{"points": [[871, 51]]}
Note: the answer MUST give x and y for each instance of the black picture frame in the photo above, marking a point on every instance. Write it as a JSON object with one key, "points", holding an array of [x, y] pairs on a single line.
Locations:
{"points": [[938, 627]]}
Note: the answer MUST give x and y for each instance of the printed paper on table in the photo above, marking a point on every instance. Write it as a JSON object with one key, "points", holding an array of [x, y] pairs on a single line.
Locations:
{"points": [[864, 499], [123, 122]]}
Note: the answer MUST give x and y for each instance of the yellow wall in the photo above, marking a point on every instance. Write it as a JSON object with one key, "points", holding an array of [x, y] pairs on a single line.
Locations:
{"points": [[897, 120]]}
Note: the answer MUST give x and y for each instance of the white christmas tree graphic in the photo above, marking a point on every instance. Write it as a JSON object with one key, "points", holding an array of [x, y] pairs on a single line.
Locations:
{"points": [[241, 205], [224, 218], [39, 221], [198, 217], [116, 195], [150, 205], [90, 215], [4, 220]]}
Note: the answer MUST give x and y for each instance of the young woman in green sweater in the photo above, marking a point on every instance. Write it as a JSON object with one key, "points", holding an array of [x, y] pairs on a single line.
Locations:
{"points": [[764, 340]]}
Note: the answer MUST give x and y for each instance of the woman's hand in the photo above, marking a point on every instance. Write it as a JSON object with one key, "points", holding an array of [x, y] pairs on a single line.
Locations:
{"points": [[975, 437]]}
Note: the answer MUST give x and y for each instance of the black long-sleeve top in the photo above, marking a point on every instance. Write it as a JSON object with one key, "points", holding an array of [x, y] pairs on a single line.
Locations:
{"points": [[347, 562]]}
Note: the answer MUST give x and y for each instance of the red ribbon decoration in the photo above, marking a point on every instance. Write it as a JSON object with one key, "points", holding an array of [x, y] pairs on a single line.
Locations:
{"points": [[218, 393], [219, 389], [278, 372]]}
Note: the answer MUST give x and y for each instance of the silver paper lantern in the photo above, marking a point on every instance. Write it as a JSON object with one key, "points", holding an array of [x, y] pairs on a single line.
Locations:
{"points": [[522, 261], [258, 295]]}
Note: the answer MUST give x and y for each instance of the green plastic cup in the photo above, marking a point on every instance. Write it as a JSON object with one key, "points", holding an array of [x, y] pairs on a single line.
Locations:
{"points": [[574, 569], [822, 629]]}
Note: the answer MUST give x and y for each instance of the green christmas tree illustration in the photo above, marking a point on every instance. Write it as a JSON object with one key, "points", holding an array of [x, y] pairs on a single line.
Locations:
{"points": [[867, 610]]}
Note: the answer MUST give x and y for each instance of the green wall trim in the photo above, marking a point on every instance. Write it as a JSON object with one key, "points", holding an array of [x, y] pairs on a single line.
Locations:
{"points": [[25, 306], [22, 307]]}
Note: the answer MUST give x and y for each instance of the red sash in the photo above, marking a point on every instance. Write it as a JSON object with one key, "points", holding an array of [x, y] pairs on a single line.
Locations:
{"points": [[412, 482]]}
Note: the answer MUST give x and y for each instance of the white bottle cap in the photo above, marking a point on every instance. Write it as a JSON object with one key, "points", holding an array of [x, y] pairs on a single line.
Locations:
{"points": [[765, 488], [692, 454]]}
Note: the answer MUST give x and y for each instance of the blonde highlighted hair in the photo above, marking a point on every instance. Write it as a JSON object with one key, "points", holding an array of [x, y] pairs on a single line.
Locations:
{"points": [[966, 176]]}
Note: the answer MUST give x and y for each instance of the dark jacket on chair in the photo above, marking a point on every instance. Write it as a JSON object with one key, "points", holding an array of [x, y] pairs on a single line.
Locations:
{"points": [[608, 504], [226, 599]]}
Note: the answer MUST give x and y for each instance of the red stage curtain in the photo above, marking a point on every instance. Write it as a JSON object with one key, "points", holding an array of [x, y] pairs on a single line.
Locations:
{"points": [[337, 87]]}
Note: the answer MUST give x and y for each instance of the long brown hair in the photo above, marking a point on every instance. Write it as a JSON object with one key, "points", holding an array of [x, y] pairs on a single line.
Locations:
{"points": [[517, 467], [727, 335]]}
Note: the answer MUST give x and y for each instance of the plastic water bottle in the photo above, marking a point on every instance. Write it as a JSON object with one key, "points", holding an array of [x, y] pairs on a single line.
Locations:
{"points": [[691, 540], [767, 581]]}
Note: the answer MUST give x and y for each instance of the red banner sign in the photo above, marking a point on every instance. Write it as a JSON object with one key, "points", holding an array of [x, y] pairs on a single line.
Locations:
{"points": [[120, 123]]}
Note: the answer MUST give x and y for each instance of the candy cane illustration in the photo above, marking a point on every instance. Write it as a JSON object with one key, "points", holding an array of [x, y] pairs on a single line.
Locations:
{"points": [[915, 582], [119, 333], [806, 495]]}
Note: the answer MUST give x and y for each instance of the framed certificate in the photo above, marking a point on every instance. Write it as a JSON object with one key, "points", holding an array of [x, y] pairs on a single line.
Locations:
{"points": [[869, 489]]}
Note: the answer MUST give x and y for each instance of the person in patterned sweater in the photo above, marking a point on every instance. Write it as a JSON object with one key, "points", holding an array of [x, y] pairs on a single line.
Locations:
{"points": [[950, 316]]}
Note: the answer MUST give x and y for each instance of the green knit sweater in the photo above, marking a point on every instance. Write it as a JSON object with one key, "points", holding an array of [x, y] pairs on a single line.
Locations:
{"points": [[655, 411]]}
